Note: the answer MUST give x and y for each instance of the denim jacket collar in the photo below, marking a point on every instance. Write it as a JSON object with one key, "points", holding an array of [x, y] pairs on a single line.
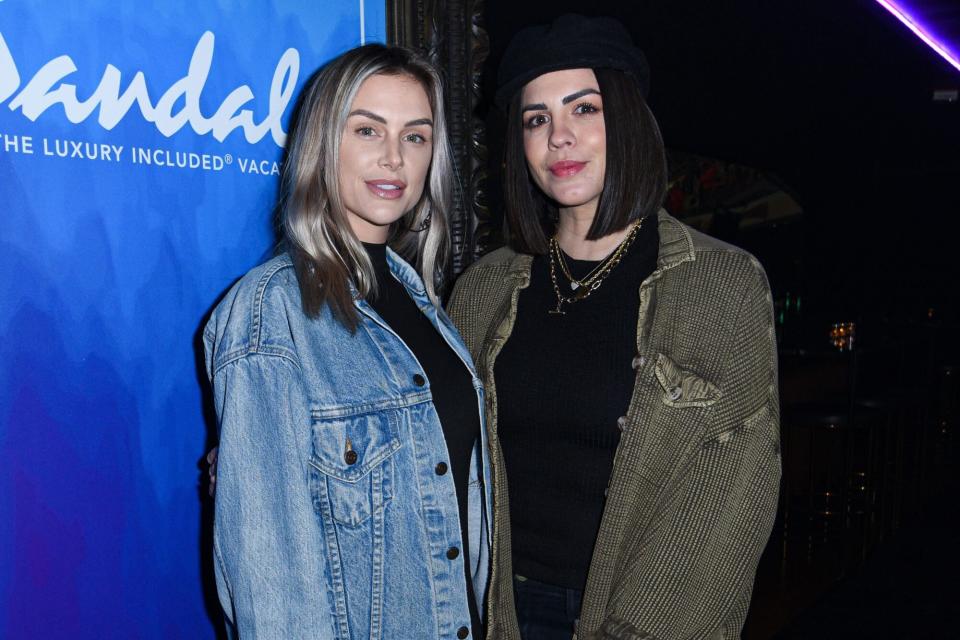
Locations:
{"points": [[406, 274]]}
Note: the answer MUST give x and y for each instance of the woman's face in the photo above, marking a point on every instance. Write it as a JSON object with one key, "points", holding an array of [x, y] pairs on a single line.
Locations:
{"points": [[564, 137], [385, 153]]}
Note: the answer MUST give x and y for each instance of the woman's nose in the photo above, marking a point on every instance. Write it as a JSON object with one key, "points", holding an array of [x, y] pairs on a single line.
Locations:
{"points": [[391, 157], [561, 135]]}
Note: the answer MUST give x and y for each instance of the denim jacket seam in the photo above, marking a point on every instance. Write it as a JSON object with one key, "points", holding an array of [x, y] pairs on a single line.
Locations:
{"points": [[259, 295], [345, 411], [240, 354], [218, 557]]}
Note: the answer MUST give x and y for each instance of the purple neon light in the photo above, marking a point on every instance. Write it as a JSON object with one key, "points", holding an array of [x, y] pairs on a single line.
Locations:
{"points": [[914, 25]]}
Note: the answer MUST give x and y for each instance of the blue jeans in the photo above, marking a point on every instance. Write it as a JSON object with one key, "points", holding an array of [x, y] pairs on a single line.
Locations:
{"points": [[545, 611]]}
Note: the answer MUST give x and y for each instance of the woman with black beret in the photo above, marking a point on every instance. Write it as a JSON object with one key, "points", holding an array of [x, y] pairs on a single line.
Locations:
{"points": [[629, 364]]}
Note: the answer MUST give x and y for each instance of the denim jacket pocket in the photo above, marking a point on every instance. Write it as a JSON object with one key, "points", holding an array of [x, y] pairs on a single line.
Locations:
{"points": [[353, 471], [684, 388]]}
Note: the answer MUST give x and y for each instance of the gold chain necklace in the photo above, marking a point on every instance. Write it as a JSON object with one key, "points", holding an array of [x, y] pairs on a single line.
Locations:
{"points": [[582, 288]]}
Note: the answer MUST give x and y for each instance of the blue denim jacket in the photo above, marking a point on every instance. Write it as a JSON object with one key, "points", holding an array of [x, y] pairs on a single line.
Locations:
{"points": [[331, 521]]}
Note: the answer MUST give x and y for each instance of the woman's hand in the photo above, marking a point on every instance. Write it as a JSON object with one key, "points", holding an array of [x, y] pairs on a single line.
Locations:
{"points": [[212, 471]]}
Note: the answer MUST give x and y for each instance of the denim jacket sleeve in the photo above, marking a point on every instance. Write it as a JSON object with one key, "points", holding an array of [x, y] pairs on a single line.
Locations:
{"points": [[267, 540]]}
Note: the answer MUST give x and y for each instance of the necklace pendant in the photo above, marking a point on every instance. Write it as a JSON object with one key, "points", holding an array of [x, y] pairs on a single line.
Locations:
{"points": [[558, 311], [575, 284]]}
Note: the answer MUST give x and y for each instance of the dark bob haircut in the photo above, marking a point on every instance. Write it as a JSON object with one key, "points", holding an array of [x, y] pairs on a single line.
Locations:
{"points": [[636, 169]]}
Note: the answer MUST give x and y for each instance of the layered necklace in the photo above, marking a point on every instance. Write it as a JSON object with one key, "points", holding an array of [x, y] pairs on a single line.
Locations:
{"points": [[581, 288]]}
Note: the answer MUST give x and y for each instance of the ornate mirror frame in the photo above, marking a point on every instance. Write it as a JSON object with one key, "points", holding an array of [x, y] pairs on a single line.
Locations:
{"points": [[451, 34]]}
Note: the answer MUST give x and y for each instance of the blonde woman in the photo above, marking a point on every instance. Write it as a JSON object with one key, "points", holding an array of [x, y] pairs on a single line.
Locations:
{"points": [[352, 473]]}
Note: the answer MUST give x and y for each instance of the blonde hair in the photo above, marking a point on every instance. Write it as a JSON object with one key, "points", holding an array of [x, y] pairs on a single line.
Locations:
{"points": [[326, 253]]}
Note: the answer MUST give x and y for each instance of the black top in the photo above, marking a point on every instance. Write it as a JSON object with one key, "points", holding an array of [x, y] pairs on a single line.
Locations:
{"points": [[450, 385], [562, 382]]}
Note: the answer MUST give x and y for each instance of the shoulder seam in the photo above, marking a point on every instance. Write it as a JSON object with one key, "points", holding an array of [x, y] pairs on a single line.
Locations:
{"points": [[258, 297], [250, 352]]}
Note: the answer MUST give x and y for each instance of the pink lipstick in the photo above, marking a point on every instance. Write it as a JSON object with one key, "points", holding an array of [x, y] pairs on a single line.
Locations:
{"points": [[566, 168], [386, 189]]}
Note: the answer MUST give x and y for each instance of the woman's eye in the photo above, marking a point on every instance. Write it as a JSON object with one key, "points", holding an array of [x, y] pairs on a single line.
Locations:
{"points": [[366, 131], [585, 107], [535, 121], [417, 138]]}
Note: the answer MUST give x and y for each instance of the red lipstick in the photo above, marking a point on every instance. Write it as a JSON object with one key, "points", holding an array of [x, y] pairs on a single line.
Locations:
{"points": [[566, 168]]}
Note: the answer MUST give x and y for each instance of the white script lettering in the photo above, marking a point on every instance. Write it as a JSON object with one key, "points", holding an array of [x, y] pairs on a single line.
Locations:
{"points": [[47, 88]]}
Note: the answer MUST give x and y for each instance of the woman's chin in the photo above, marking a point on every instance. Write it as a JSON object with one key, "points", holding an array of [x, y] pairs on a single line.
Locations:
{"points": [[575, 200]]}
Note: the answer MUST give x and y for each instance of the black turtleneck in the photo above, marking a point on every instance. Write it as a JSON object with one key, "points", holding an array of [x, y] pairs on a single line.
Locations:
{"points": [[562, 382], [450, 386]]}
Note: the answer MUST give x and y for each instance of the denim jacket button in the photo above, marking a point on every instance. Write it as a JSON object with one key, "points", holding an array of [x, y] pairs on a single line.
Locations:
{"points": [[675, 393], [463, 632], [419, 380], [350, 457], [637, 362], [452, 553], [441, 468]]}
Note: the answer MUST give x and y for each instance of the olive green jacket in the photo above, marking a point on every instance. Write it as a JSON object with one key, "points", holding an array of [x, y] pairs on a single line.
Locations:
{"points": [[695, 479]]}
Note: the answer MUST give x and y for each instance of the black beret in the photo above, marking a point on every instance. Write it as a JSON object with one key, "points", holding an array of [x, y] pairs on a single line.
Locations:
{"points": [[570, 42]]}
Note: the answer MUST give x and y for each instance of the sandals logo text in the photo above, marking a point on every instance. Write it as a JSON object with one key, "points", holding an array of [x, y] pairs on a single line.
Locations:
{"points": [[47, 88]]}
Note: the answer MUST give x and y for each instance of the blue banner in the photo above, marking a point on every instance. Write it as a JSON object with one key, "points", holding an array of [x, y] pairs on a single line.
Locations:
{"points": [[139, 155]]}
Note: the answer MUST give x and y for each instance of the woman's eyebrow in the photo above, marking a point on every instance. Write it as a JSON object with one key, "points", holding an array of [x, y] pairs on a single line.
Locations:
{"points": [[579, 94], [534, 107], [567, 100], [369, 114]]}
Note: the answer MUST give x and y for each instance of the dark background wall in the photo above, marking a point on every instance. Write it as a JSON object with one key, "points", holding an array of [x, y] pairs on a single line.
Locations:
{"points": [[835, 98]]}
